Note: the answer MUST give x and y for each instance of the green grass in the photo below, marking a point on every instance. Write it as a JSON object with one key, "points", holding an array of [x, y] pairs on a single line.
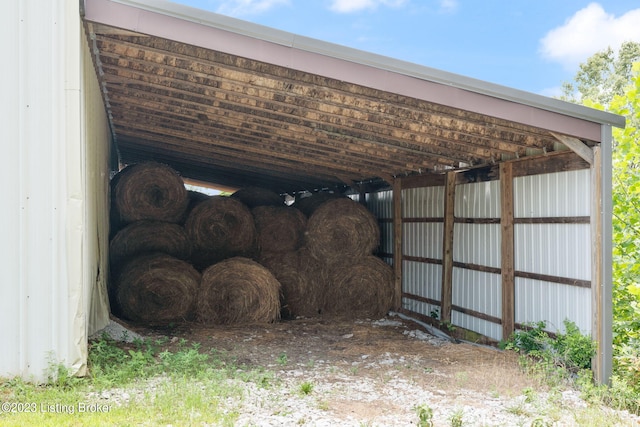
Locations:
{"points": [[142, 384]]}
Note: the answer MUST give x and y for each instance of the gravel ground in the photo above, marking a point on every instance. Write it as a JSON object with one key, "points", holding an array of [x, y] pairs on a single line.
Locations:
{"points": [[379, 373]]}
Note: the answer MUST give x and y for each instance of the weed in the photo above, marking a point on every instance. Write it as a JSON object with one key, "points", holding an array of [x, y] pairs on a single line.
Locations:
{"points": [[456, 419], [282, 359], [425, 415], [306, 388]]}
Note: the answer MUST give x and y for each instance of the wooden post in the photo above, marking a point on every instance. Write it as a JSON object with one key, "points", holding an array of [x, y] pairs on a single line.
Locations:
{"points": [[507, 250], [397, 243], [447, 247]]}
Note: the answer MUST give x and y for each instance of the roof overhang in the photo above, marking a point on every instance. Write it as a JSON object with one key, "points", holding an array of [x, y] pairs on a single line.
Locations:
{"points": [[238, 104]]}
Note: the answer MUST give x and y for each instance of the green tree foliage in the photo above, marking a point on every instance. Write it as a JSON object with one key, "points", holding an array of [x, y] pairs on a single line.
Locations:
{"points": [[612, 83]]}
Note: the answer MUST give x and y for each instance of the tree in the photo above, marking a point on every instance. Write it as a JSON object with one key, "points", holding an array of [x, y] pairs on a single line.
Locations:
{"points": [[603, 75]]}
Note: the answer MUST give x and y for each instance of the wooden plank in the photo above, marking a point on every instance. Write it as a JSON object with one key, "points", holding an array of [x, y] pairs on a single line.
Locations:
{"points": [[422, 259], [554, 220], [507, 250], [575, 145], [421, 299], [397, 243], [554, 279], [447, 247], [598, 362]]}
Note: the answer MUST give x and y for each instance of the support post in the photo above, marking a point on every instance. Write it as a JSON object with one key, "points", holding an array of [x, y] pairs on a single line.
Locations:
{"points": [[507, 266], [447, 247], [397, 243]]}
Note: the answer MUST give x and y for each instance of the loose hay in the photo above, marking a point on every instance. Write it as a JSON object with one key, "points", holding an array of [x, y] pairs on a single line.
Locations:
{"points": [[150, 191], [279, 228], [308, 205], [303, 280], [342, 228], [220, 227], [360, 287], [255, 196], [238, 290], [157, 289], [142, 237]]}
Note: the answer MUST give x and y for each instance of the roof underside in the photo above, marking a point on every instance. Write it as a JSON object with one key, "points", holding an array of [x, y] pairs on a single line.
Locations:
{"points": [[237, 121]]}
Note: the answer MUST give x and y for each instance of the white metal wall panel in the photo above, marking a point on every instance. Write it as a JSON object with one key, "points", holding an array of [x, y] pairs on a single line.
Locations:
{"points": [[477, 244], [97, 154], [553, 194], [43, 296], [420, 307], [381, 206], [478, 200], [478, 291], [427, 202], [562, 250], [553, 303], [422, 279], [423, 239], [486, 328]]}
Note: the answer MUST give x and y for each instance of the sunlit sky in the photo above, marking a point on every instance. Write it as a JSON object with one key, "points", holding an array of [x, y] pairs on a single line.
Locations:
{"points": [[533, 45]]}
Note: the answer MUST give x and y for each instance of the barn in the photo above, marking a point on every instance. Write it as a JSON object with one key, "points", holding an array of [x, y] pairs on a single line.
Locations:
{"points": [[494, 204]]}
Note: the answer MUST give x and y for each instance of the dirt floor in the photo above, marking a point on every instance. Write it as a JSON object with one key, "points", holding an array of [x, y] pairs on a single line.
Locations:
{"points": [[378, 372]]}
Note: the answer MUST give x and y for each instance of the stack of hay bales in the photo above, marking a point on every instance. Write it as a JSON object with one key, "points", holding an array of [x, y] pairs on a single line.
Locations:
{"points": [[178, 255], [150, 279], [342, 235]]}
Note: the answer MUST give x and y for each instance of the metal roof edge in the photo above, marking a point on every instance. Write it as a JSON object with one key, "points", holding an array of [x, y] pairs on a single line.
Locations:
{"points": [[340, 52]]}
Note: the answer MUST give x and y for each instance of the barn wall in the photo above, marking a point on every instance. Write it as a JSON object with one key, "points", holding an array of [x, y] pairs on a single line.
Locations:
{"points": [[552, 251], [47, 277]]}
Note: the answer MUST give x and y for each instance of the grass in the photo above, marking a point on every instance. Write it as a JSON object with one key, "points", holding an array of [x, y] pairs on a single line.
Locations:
{"points": [[189, 387]]}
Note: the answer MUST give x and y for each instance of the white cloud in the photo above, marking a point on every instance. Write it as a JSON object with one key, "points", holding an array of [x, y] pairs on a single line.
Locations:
{"points": [[248, 7], [589, 31], [347, 6], [448, 6]]}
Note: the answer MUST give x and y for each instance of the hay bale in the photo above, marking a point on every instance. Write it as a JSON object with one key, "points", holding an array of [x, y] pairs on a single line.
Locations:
{"points": [[238, 290], [157, 289], [302, 279], [279, 228], [255, 196], [219, 228], [342, 228], [308, 205], [146, 236], [150, 190], [359, 287]]}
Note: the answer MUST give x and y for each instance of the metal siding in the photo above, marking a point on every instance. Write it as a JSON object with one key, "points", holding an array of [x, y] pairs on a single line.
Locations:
{"points": [[562, 250], [478, 200], [425, 202], [553, 303], [477, 244], [553, 194], [43, 308], [483, 327]]}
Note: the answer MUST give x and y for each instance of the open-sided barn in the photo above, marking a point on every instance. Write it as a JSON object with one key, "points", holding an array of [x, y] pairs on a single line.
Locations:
{"points": [[494, 204]]}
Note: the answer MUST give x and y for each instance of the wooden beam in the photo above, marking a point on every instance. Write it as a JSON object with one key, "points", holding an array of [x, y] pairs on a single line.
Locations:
{"points": [[507, 250], [575, 145], [447, 247], [397, 243]]}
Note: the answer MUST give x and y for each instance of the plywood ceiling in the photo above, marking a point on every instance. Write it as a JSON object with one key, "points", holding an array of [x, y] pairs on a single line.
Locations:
{"points": [[239, 122]]}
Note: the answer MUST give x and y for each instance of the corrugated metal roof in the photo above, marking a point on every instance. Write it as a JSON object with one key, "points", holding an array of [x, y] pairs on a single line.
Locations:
{"points": [[238, 104]]}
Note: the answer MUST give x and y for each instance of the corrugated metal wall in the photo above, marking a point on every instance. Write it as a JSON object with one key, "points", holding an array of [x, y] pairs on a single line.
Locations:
{"points": [[44, 273], [558, 250], [562, 250]]}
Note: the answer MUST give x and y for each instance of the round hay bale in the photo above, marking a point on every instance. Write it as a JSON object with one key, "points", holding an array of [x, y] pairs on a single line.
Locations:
{"points": [[150, 191], [279, 228], [341, 228], [360, 287], [302, 279], [148, 236], [255, 196], [308, 205], [157, 289], [238, 290], [219, 228]]}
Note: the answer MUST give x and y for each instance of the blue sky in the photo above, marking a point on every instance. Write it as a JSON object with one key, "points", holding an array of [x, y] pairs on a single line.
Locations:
{"points": [[533, 45]]}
